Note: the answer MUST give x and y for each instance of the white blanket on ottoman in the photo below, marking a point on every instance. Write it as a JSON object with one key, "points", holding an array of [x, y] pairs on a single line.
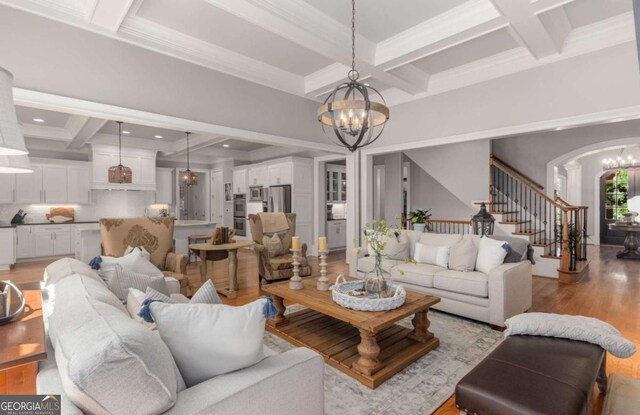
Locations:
{"points": [[586, 329]]}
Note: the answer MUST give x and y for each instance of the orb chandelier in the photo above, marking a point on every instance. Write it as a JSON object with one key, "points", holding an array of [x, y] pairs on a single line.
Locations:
{"points": [[189, 178], [120, 174], [354, 112]]}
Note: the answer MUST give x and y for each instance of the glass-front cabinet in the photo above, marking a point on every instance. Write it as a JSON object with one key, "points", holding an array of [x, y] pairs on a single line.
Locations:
{"points": [[336, 183]]}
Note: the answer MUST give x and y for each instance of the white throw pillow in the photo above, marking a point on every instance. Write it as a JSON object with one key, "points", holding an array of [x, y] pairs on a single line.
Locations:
{"points": [[396, 247], [209, 340], [125, 279], [491, 254], [430, 254], [142, 249]]}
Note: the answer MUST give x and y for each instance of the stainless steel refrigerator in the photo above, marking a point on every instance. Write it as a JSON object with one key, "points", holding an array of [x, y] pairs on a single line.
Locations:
{"points": [[279, 199]]}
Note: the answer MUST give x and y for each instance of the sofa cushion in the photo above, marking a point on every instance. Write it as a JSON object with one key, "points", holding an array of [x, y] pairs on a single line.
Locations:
{"points": [[439, 239], [396, 246], [432, 254], [491, 254], [64, 267], [463, 255], [366, 264], [108, 363], [471, 283], [208, 340], [418, 274]]}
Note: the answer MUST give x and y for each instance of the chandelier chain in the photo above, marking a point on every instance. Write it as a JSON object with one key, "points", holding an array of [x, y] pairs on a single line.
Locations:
{"points": [[188, 150], [353, 35], [120, 142]]}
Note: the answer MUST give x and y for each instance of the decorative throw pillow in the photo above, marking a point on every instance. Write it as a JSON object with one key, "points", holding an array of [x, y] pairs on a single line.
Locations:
{"points": [[430, 254], [142, 249], [462, 256], [206, 294], [273, 244], [396, 246], [125, 279], [107, 269], [210, 340], [491, 253]]}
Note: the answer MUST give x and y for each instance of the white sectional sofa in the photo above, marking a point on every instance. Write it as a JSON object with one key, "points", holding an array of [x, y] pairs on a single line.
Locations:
{"points": [[492, 297], [101, 361]]}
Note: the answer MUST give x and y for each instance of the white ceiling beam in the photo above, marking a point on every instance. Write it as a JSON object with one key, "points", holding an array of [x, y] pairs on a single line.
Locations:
{"points": [[527, 28], [542, 6], [45, 132], [329, 75], [273, 152], [196, 142], [109, 14], [413, 74], [132, 142], [303, 24], [558, 25], [86, 132]]}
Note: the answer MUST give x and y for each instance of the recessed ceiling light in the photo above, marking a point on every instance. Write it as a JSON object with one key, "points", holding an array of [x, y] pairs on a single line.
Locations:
{"points": [[38, 120], [157, 136], [126, 132], [225, 145]]}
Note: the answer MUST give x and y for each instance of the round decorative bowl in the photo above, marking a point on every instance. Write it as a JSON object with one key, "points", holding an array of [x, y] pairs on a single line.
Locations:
{"points": [[343, 294]]}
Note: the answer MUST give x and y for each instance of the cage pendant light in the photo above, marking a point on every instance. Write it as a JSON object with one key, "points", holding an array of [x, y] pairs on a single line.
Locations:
{"points": [[354, 112], [189, 178], [120, 174]]}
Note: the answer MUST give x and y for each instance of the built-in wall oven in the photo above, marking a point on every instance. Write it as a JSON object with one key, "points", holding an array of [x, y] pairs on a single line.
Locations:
{"points": [[240, 214]]}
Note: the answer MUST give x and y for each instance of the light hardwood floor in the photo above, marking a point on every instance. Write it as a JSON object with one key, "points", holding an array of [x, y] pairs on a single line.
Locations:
{"points": [[611, 292]]}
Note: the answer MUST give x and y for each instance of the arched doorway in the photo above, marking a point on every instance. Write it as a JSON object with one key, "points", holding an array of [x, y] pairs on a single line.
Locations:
{"points": [[616, 187]]}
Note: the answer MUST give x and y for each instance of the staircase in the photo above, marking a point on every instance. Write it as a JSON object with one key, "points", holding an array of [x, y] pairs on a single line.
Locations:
{"points": [[556, 229]]}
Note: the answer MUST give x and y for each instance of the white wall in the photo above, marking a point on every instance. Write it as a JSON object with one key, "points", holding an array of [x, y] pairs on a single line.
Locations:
{"points": [[392, 195]]}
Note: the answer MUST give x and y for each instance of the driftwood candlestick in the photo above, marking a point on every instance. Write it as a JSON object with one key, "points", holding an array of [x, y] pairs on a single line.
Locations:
{"points": [[295, 283], [323, 281]]}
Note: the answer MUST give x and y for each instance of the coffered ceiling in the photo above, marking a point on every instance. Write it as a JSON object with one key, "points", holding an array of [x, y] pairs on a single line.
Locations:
{"points": [[408, 49]]}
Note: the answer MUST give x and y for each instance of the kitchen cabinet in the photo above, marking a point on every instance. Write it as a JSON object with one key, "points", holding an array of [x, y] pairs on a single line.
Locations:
{"points": [[8, 252], [52, 240], [337, 234], [29, 186], [217, 197], [79, 184], [257, 175], [141, 162], [165, 185], [54, 184], [240, 181], [87, 241], [280, 174], [336, 183], [7, 191], [25, 242]]}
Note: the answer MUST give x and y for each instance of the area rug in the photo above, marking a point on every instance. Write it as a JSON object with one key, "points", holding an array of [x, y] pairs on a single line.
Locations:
{"points": [[420, 388]]}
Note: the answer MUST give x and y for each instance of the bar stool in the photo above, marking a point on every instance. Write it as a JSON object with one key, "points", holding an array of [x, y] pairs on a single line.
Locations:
{"points": [[196, 239]]}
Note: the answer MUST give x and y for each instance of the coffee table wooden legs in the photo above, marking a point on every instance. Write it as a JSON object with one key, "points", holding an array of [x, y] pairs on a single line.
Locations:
{"points": [[369, 350], [421, 325], [278, 303]]}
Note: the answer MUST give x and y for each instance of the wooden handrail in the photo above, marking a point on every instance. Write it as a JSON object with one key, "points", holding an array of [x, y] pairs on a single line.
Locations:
{"points": [[557, 197], [495, 160], [457, 222]]}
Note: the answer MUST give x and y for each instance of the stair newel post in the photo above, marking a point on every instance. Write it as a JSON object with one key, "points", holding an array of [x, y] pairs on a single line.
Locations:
{"points": [[491, 181], [584, 233], [565, 256]]}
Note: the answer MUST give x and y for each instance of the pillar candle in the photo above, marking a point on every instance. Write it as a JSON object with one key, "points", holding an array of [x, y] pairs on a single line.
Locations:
{"points": [[295, 242], [322, 243]]}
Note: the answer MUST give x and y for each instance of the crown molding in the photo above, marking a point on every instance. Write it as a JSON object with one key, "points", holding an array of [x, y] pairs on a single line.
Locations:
{"points": [[173, 43], [44, 132], [328, 75]]}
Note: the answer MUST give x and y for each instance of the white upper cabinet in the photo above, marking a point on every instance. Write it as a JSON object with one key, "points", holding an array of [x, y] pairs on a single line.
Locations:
{"points": [[257, 175], [240, 181], [29, 186], [7, 192], [141, 162], [280, 174], [79, 184], [54, 184], [165, 185], [336, 183]]}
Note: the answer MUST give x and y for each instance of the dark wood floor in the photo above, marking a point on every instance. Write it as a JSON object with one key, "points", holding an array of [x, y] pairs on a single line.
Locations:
{"points": [[610, 292]]}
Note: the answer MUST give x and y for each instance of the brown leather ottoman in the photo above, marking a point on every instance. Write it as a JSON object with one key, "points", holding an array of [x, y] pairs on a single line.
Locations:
{"points": [[534, 376]]}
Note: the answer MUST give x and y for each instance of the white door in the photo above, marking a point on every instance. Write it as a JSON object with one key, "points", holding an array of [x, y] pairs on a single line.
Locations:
{"points": [[7, 194], [79, 184], [29, 186], [25, 242], [217, 197], [62, 243], [43, 244], [54, 184]]}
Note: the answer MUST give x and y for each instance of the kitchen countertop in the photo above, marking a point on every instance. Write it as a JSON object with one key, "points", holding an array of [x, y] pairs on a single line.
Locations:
{"points": [[9, 225]]}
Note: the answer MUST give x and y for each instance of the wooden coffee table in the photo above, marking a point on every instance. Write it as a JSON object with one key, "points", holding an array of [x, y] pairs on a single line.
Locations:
{"points": [[368, 346]]}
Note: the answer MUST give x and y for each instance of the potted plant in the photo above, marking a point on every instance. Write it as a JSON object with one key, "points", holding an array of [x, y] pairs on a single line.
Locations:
{"points": [[419, 218], [376, 234]]}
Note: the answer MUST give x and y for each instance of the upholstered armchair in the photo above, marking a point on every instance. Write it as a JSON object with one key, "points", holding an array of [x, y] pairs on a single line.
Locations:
{"points": [[155, 235], [279, 266]]}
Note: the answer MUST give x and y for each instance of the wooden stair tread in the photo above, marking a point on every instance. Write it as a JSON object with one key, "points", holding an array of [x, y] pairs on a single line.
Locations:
{"points": [[527, 232], [514, 222], [494, 212], [490, 203]]}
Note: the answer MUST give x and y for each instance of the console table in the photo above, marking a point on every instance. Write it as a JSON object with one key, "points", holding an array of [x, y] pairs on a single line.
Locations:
{"points": [[631, 244]]}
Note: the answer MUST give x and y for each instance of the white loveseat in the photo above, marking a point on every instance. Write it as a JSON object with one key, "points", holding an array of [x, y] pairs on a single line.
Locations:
{"points": [[491, 298], [101, 361]]}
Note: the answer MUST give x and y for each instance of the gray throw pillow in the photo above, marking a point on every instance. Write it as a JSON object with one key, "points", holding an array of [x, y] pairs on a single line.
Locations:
{"points": [[124, 279]]}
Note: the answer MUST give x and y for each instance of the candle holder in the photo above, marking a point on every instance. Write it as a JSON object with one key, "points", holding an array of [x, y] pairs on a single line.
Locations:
{"points": [[323, 282], [295, 283]]}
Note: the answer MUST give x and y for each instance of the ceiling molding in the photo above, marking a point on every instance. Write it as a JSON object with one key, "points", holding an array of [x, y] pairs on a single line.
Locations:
{"points": [[75, 123], [542, 6], [45, 132], [109, 14], [557, 25], [176, 44], [459, 19], [329, 75], [196, 142], [86, 132]]}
